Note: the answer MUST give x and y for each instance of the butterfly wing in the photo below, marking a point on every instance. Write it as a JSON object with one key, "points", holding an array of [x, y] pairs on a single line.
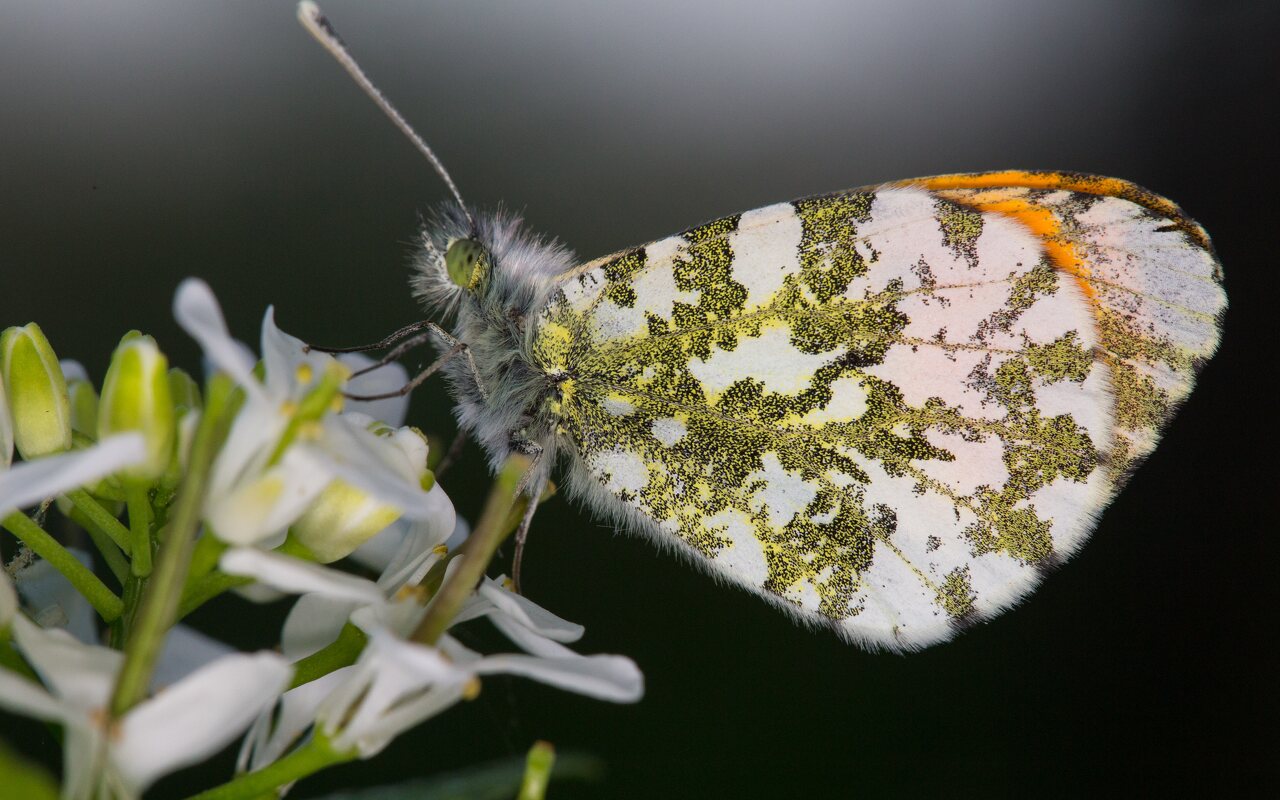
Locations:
{"points": [[886, 410]]}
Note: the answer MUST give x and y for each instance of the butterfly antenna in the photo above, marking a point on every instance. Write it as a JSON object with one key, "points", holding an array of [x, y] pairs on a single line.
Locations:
{"points": [[318, 25]]}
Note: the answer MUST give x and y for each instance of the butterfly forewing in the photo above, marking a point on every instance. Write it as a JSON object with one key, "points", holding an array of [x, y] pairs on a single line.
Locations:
{"points": [[886, 409]]}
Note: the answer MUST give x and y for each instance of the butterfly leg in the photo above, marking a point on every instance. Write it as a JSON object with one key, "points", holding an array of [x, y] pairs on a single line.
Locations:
{"points": [[417, 379], [451, 455], [522, 535], [407, 330], [457, 347], [534, 450], [466, 352]]}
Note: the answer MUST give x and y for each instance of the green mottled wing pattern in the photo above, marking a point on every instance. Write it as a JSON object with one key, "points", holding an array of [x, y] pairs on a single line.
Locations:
{"points": [[885, 410]]}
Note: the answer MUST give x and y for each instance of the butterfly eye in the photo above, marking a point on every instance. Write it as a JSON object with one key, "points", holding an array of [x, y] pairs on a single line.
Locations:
{"points": [[463, 260]]}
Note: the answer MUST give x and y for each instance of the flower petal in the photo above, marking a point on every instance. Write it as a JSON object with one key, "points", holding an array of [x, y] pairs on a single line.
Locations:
{"points": [[185, 651], [604, 677], [368, 462], [80, 674], [528, 613], [196, 310], [269, 502], [390, 670], [32, 481], [383, 380], [28, 698], [53, 602], [383, 547], [314, 622], [197, 716], [272, 735], [282, 354], [297, 576], [404, 715]]}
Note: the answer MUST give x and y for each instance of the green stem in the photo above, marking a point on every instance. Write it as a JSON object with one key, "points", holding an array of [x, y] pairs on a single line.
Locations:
{"points": [[115, 560], [42, 544], [159, 605], [98, 516], [140, 530], [310, 758], [341, 652], [210, 586], [476, 552], [208, 550], [537, 771]]}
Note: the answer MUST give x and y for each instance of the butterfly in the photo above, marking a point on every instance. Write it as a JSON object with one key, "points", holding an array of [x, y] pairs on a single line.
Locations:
{"points": [[888, 411]]}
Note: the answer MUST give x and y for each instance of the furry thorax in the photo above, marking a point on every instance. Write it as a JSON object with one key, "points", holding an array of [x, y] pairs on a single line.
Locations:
{"points": [[494, 318]]}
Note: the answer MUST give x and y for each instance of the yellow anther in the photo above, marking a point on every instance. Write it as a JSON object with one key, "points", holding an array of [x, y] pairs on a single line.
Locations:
{"points": [[311, 429], [304, 373], [336, 404], [472, 690], [508, 584], [440, 550], [416, 593], [288, 408]]}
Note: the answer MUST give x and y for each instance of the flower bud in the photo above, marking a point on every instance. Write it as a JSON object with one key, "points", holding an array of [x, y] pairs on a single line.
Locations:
{"points": [[6, 432], [37, 392], [136, 397], [343, 517], [84, 406], [184, 390]]}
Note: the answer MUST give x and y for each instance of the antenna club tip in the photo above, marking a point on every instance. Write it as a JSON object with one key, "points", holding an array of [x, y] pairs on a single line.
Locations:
{"points": [[318, 25]]}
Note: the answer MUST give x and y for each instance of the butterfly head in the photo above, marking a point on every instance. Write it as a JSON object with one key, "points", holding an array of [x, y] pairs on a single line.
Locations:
{"points": [[487, 261]]}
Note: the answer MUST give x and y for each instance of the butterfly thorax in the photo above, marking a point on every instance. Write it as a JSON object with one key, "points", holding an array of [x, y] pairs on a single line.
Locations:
{"points": [[494, 278]]}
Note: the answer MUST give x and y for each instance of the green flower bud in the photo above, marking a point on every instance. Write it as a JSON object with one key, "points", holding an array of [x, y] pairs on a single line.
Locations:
{"points": [[6, 432], [136, 397], [38, 401], [184, 390], [84, 407]]}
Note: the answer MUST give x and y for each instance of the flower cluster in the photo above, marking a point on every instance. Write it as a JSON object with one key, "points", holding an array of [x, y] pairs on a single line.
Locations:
{"points": [[262, 479]]}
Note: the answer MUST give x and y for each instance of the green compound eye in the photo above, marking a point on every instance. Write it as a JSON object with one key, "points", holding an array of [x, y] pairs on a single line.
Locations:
{"points": [[463, 261]]}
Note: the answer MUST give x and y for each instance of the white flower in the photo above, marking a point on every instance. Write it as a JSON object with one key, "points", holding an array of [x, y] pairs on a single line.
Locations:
{"points": [[343, 517], [182, 725], [53, 601], [396, 683], [383, 380], [256, 491], [30, 482]]}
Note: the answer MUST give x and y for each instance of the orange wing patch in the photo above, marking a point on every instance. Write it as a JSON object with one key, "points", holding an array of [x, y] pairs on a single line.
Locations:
{"points": [[1148, 269]]}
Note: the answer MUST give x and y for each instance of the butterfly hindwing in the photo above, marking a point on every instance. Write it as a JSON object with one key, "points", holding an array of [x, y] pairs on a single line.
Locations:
{"points": [[886, 409]]}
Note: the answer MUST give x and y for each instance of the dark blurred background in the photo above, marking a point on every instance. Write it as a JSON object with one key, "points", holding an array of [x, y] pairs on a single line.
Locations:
{"points": [[146, 141]]}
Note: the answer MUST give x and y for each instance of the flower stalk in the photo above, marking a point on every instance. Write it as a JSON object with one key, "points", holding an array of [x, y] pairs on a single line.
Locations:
{"points": [[159, 605], [103, 600], [315, 755], [476, 553]]}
